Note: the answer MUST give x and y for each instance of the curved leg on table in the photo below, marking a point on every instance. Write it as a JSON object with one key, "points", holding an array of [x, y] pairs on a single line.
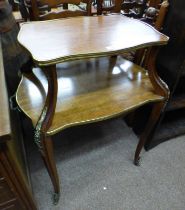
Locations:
{"points": [[43, 142], [160, 88], [153, 119], [48, 157]]}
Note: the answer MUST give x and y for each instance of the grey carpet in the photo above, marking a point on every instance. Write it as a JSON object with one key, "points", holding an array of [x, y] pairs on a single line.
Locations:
{"points": [[96, 171]]}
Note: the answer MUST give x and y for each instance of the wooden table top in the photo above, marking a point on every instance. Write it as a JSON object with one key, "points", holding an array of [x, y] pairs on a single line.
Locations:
{"points": [[5, 131], [56, 41]]}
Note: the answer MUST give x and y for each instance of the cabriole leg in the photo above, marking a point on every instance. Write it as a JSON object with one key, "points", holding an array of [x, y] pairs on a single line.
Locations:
{"points": [[49, 160], [153, 119], [43, 142]]}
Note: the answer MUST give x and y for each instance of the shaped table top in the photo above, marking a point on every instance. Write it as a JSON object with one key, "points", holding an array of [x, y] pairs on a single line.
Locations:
{"points": [[55, 41]]}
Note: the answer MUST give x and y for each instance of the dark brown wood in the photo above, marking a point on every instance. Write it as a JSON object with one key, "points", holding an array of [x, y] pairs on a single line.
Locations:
{"points": [[48, 157], [51, 98], [14, 192], [160, 88], [7, 198], [44, 123], [146, 134], [17, 191]]}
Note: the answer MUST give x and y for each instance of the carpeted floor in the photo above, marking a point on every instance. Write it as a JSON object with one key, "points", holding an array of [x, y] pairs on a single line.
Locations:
{"points": [[96, 171]]}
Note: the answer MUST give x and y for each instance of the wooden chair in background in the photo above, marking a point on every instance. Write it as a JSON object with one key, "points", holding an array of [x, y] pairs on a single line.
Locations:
{"points": [[134, 8], [51, 9], [155, 16], [108, 6], [129, 8], [155, 13]]}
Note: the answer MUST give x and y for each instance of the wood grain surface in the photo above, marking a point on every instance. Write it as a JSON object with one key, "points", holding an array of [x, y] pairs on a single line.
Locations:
{"points": [[56, 41], [88, 91]]}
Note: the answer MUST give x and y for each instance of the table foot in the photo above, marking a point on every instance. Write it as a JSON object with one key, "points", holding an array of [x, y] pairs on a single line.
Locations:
{"points": [[137, 162], [55, 198]]}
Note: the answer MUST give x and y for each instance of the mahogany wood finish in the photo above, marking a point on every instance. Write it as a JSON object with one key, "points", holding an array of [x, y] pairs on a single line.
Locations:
{"points": [[158, 108], [87, 92], [54, 9], [88, 95], [97, 37], [44, 143], [14, 192]]}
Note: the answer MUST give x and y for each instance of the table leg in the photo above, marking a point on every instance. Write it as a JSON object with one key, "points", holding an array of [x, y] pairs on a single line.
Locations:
{"points": [[153, 119], [43, 141], [160, 88]]}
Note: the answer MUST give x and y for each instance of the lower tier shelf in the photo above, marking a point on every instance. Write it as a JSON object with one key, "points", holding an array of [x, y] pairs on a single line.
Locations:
{"points": [[88, 91]]}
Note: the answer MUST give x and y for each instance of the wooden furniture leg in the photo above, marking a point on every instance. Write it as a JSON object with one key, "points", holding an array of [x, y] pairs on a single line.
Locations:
{"points": [[160, 88], [43, 142], [48, 157], [32, 77], [153, 119]]}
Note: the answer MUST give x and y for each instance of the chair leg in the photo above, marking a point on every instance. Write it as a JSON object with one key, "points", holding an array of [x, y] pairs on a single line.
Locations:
{"points": [[48, 157], [153, 119]]}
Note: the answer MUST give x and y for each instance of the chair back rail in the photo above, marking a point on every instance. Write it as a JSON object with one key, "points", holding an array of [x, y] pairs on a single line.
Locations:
{"points": [[134, 8], [54, 9]]}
